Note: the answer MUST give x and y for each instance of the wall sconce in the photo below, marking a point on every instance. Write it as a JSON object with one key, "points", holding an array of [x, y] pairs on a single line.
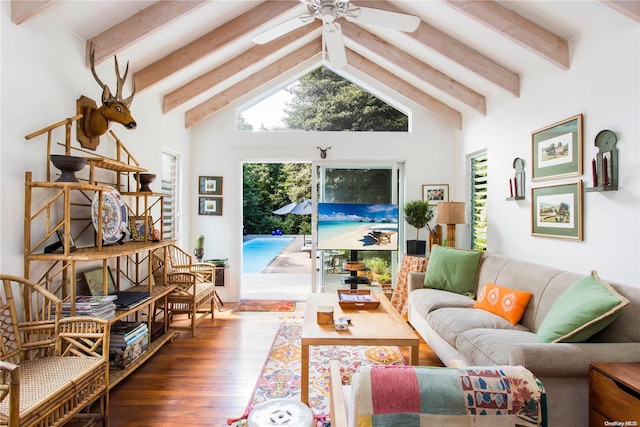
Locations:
{"points": [[451, 213]]}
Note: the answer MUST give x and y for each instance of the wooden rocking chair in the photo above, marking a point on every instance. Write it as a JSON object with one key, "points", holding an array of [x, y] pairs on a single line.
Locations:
{"points": [[195, 293]]}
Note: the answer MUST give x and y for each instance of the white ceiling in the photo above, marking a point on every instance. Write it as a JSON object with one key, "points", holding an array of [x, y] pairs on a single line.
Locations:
{"points": [[567, 19]]}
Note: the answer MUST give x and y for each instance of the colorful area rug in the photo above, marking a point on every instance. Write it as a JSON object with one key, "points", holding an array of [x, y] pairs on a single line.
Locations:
{"points": [[266, 305], [280, 375]]}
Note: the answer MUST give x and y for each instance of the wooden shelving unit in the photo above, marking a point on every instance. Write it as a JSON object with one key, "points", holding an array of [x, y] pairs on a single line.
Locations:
{"points": [[64, 208]]}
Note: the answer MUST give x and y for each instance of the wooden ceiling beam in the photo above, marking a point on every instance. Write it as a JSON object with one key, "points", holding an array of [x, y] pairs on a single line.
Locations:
{"points": [[458, 52], [23, 10], [235, 92], [416, 67], [136, 27], [630, 8], [210, 43], [539, 40], [393, 82], [227, 70]]}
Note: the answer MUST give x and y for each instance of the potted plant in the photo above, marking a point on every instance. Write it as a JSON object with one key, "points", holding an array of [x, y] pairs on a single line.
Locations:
{"points": [[417, 213]]}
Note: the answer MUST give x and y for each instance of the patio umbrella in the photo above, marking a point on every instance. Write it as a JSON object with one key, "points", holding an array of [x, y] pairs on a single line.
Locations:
{"points": [[302, 208]]}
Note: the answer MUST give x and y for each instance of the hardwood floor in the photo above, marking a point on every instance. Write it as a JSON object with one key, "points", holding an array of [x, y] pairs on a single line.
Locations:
{"points": [[205, 380]]}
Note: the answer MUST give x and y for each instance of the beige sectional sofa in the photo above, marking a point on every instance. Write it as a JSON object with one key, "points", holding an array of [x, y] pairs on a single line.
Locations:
{"points": [[457, 331]]}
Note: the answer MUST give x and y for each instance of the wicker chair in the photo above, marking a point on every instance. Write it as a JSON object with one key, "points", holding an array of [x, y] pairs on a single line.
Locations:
{"points": [[52, 367], [195, 293]]}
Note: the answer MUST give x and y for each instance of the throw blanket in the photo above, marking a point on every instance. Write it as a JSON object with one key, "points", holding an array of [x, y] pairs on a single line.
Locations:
{"points": [[409, 396]]}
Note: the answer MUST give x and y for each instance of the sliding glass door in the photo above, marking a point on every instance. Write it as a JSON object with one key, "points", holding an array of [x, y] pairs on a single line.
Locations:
{"points": [[356, 222]]}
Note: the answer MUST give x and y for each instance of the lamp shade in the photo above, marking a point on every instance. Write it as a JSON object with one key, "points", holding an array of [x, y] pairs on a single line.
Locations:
{"points": [[451, 213]]}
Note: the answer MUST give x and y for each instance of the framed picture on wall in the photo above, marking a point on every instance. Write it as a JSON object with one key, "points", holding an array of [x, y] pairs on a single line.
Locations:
{"points": [[210, 206], [435, 193], [556, 211], [557, 150], [210, 185]]}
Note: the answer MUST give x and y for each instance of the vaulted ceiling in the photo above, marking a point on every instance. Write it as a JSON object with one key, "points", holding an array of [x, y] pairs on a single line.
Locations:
{"points": [[198, 55]]}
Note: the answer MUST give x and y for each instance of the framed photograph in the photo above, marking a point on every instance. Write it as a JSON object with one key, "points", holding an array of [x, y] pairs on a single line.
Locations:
{"points": [[435, 193], [72, 244], [557, 150], [94, 279], [210, 185], [139, 229], [210, 206], [556, 211]]}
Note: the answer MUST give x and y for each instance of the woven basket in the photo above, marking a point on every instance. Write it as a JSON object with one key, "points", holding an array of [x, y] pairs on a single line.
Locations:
{"points": [[353, 265]]}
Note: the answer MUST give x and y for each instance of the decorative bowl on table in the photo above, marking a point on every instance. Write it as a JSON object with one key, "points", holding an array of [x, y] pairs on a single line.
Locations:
{"points": [[68, 165], [144, 179]]}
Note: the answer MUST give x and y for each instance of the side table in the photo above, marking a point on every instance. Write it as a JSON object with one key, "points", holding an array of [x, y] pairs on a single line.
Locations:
{"points": [[614, 394]]}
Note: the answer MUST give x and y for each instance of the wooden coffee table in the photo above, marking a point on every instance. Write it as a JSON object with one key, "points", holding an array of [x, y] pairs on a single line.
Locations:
{"points": [[380, 326]]}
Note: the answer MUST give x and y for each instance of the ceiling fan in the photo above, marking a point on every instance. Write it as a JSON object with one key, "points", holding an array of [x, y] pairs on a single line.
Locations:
{"points": [[328, 11]]}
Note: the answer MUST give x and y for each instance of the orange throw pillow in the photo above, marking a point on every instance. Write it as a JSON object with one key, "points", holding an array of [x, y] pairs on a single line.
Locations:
{"points": [[505, 302]]}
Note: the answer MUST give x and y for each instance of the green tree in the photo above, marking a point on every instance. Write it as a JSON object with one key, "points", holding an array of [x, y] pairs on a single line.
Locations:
{"points": [[269, 186], [243, 124], [324, 101]]}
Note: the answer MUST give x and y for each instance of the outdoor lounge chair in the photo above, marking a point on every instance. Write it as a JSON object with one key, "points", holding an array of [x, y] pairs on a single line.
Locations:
{"points": [[381, 237]]}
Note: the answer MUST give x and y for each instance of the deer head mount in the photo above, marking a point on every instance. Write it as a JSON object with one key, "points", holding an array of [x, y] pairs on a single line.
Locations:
{"points": [[323, 152], [97, 120]]}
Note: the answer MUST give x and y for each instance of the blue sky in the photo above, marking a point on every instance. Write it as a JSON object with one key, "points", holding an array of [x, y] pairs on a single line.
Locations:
{"points": [[356, 212]]}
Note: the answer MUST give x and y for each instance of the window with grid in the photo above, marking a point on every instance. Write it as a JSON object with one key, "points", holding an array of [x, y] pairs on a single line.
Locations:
{"points": [[479, 201], [170, 188]]}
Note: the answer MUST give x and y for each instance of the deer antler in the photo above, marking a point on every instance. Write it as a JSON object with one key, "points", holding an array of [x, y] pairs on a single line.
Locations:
{"points": [[92, 51], [106, 95], [120, 83]]}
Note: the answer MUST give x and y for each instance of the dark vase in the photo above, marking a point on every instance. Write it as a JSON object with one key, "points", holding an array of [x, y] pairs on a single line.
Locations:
{"points": [[416, 247]]}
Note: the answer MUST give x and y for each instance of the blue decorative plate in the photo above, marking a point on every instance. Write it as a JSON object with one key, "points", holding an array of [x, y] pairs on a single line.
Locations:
{"points": [[114, 215]]}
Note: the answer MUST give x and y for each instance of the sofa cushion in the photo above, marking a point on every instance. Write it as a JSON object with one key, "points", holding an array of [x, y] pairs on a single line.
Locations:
{"points": [[505, 302], [450, 322], [452, 270], [424, 301], [491, 346], [585, 308]]}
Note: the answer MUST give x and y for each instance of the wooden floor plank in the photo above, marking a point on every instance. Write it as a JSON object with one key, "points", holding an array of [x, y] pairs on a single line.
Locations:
{"points": [[205, 380]]}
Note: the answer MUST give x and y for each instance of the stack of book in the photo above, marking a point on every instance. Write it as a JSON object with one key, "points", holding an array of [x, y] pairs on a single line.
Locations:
{"points": [[92, 305], [128, 341]]}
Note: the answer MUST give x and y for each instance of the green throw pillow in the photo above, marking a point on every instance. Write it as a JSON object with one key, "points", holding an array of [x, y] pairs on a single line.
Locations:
{"points": [[452, 270], [587, 307]]}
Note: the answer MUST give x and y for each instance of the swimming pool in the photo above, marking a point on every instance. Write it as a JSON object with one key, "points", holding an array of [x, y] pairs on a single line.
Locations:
{"points": [[258, 252]]}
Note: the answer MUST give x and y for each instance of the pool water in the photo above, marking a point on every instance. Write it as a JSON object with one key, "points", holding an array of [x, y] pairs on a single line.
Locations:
{"points": [[258, 252]]}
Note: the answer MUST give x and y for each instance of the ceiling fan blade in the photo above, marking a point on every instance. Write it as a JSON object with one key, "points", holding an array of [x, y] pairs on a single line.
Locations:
{"points": [[332, 35], [384, 18], [282, 29]]}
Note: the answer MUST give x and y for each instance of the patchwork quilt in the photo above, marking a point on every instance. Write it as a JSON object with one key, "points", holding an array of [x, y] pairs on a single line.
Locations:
{"points": [[408, 396]]}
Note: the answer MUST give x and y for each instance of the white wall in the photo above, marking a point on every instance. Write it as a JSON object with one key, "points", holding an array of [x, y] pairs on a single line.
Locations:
{"points": [[220, 150], [43, 74], [603, 85]]}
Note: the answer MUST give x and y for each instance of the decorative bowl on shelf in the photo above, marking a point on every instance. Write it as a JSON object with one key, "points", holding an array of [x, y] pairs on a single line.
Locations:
{"points": [[68, 165], [145, 179]]}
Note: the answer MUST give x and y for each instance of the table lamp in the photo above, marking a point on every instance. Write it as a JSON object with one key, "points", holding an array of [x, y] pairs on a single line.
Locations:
{"points": [[451, 213]]}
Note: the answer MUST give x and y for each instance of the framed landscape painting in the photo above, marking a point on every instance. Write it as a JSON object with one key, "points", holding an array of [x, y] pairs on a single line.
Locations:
{"points": [[210, 185], [557, 150], [210, 206], [556, 211], [435, 193]]}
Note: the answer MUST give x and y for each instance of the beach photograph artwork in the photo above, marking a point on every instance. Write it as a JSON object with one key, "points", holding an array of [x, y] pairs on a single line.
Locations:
{"points": [[358, 226]]}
